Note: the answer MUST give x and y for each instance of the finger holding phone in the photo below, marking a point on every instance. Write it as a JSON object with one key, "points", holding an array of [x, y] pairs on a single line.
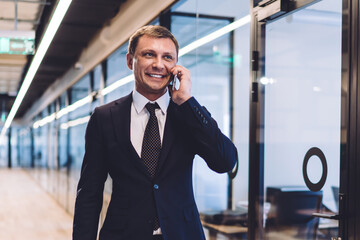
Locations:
{"points": [[183, 93]]}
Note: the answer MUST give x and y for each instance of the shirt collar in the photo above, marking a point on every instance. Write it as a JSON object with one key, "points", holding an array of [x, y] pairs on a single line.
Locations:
{"points": [[140, 101]]}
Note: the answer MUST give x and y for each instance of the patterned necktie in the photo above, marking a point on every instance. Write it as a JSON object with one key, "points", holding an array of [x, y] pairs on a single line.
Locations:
{"points": [[151, 146]]}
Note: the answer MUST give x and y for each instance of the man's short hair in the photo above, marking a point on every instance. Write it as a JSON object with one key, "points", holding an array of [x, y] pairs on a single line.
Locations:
{"points": [[154, 31]]}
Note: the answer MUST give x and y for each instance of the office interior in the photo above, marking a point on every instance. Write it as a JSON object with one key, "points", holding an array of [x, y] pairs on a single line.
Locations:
{"points": [[280, 77]]}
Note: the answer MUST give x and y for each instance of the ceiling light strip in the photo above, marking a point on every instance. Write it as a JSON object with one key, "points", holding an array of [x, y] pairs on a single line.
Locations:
{"points": [[212, 36], [75, 122], [51, 30], [62, 112], [74, 106], [44, 121], [117, 84]]}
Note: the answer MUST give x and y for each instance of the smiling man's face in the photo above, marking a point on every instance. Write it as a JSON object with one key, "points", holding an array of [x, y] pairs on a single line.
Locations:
{"points": [[151, 63]]}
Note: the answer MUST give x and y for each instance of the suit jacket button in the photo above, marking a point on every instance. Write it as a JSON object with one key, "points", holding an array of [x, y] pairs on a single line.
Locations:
{"points": [[156, 186]]}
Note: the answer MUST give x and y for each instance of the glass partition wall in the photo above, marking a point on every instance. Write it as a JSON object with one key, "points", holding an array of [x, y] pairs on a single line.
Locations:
{"points": [[218, 57], [211, 90], [298, 123], [310, 117]]}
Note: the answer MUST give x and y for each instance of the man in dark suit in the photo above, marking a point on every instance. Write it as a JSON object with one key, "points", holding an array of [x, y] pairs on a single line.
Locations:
{"points": [[146, 142]]}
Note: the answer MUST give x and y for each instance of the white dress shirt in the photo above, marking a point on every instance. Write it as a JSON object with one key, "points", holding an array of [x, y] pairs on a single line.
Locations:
{"points": [[140, 117]]}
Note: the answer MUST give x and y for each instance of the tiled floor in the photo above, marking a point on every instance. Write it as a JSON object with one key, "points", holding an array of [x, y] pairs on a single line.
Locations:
{"points": [[28, 212]]}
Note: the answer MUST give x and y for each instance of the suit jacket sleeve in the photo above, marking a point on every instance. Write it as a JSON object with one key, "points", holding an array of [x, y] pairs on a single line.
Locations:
{"points": [[91, 184], [214, 147]]}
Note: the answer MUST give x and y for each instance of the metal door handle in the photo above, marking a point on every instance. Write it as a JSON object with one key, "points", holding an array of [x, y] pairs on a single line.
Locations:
{"points": [[328, 216]]}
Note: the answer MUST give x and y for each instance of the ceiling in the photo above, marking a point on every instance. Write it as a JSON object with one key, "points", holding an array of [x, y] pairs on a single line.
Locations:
{"points": [[82, 21], [21, 16]]}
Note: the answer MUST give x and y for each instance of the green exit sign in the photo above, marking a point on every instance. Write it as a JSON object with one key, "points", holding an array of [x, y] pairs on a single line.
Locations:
{"points": [[24, 46], [17, 42]]}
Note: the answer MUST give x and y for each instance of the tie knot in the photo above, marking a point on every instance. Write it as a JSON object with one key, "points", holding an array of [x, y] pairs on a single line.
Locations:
{"points": [[151, 108]]}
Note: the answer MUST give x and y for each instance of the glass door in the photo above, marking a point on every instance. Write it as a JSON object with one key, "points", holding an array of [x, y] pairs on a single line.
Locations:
{"points": [[298, 119]]}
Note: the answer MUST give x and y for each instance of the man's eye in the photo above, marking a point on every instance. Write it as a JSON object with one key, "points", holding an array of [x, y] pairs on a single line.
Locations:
{"points": [[168, 57], [148, 54]]}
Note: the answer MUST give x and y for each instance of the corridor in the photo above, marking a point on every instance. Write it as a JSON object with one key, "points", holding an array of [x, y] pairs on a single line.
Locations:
{"points": [[28, 212]]}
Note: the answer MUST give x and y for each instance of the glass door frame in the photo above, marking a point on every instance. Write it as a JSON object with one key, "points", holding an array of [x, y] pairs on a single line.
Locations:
{"points": [[349, 225], [349, 222]]}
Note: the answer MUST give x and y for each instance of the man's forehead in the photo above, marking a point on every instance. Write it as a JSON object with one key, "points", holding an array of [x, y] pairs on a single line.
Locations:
{"points": [[148, 42]]}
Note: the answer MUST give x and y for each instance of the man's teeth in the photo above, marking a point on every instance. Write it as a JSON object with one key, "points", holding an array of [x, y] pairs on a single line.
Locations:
{"points": [[155, 75]]}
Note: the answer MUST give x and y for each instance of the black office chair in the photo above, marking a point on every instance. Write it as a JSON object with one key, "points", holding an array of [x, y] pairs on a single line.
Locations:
{"points": [[291, 211]]}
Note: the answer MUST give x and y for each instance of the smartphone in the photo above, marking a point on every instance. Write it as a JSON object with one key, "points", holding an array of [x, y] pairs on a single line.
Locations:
{"points": [[172, 81]]}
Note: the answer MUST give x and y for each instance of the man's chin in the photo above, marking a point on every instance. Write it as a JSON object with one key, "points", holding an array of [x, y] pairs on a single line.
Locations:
{"points": [[160, 91], [157, 88]]}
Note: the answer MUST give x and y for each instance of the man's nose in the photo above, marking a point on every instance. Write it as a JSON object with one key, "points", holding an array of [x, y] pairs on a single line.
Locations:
{"points": [[158, 63]]}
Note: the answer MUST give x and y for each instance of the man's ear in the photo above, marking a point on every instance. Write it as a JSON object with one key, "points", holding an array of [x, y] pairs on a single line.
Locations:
{"points": [[129, 61]]}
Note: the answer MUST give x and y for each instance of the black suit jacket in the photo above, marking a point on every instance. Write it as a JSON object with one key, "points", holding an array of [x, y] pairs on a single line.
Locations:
{"points": [[189, 130]]}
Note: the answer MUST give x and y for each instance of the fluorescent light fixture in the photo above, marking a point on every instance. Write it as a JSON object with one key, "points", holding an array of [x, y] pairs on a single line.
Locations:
{"points": [[212, 36], [83, 101], [74, 106], [117, 84], [75, 122], [44, 121], [52, 28], [264, 80], [121, 82], [62, 112]]}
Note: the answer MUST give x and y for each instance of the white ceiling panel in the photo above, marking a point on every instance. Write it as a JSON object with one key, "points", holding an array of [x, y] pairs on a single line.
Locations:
{"points": [[26, 18], [28, 11], [7, 10]]}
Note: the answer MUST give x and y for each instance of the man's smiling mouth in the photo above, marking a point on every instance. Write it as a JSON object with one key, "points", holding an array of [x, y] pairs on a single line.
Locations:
{"points": [[156, 75]]}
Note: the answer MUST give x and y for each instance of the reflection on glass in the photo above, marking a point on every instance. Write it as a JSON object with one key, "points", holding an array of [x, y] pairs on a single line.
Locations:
{"points": [[63, 136], [76, 136], [302, 110], [211, 88], [216, 67], [14, 147], [25, 152], [41, 143], [52, 161], [80, 90], [97, 73], [116, 70], [97, 83], [4, 152]]}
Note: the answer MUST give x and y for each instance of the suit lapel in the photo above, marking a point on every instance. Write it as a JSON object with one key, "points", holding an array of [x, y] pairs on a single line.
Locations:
{"points": [[120, 114]]}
